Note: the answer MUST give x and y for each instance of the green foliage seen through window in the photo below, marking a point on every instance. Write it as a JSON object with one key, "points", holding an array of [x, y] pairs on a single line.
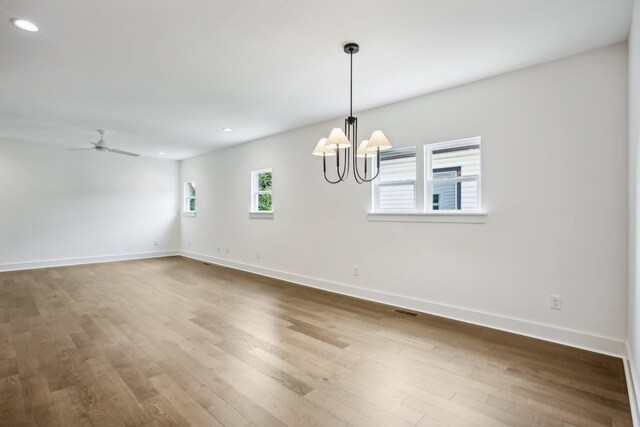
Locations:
{"points": [[264, 184], [264, 181], [264, 202]]}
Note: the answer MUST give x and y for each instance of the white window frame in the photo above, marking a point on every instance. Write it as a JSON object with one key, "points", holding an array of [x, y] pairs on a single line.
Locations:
{"points": [[375, 193], [186, 210], [428, 174], [255, 192]]}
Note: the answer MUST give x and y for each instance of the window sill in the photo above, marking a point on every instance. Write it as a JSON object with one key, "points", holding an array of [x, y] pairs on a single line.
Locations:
{"points": [[261, 215], [456, 217], [188, 214]]}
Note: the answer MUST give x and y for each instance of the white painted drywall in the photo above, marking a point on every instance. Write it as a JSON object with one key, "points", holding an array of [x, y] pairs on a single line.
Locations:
{"points": [[633, 348], [58, 205], [554, 140]]}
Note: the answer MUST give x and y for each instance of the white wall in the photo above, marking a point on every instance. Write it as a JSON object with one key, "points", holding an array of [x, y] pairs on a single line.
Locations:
{"points": [[634, 189], [554, 141], [60, 207]]}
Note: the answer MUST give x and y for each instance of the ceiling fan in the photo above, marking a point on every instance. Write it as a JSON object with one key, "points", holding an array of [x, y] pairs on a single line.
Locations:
{"points": [[102, 146]]}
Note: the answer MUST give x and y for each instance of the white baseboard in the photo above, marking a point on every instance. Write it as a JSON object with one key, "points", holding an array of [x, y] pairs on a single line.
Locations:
{"points": [[29, 265], [573, 338], [632, 384]]}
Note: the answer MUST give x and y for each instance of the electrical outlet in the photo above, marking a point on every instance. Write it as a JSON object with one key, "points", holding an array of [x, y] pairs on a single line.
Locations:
{"points": [[227, 250], [356, 270], [218, 249], [155, 243], [556, 302], [189, 243], [257, 255]]}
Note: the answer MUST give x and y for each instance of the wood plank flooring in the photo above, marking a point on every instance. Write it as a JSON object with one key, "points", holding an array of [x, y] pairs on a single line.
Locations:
{"points": [[173, 341]]}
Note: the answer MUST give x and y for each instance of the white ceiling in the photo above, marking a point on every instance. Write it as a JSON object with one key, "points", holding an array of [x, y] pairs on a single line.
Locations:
{"points": [[167, 75]]}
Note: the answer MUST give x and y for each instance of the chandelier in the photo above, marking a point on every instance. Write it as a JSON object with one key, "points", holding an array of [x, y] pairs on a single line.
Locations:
{"points": [[339, 142]]}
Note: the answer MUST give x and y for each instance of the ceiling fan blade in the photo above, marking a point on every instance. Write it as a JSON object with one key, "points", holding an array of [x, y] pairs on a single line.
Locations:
{"points": [[80, 149], [126, 153]]}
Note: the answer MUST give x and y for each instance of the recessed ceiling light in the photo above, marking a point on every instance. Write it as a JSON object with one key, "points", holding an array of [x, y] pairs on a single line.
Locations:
{"points": [[23, 24], [226, 129], [161, 153]]}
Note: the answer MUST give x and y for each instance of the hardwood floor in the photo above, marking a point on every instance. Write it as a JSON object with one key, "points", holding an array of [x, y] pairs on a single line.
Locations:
{"points": [[173, 341]]}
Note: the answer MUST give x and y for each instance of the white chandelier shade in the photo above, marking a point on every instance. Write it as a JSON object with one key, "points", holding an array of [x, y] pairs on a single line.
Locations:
{"points": [[364, 150], [378, 140], [337, 138], [322, 150]]}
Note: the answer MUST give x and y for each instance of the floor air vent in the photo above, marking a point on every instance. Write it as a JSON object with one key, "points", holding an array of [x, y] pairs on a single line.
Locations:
{"points": [[408, 313]]}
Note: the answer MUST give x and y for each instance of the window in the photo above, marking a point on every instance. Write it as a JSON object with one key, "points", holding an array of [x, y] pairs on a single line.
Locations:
{"points": [[395, 188], [189, 197], [261, 199], [453, 176]]}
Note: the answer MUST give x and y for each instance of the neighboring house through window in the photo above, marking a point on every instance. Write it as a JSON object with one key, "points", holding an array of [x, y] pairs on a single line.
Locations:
{"points": [[453, 175], [395, 188]]}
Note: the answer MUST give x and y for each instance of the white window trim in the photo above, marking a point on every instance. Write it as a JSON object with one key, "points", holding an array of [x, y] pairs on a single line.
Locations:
{"points": [[261, 215], [254, 212], [466, 217], [428, 149], [185, 211]]}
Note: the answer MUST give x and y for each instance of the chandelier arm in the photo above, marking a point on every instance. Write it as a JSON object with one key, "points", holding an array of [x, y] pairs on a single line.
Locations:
{"points": [[347, 129], [324, 169], [343, 175], [338, 161], [356, 173], [345, 167], [376, 175], [365, 177], [329, 181], [345, 170], [365, 166], [377, 165], [351, 131]]}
